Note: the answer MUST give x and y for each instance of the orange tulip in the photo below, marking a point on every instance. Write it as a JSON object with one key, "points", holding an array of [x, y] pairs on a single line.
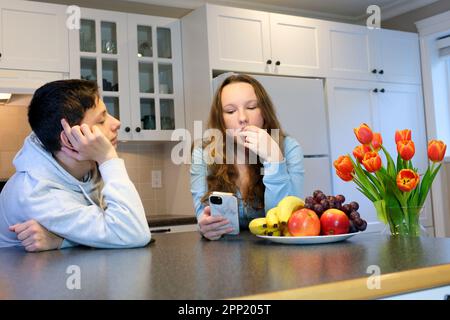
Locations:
{"points": [[406, 149], [360, 151], [377, 141], [344, 176], [372, 161], [364, 134], [407, 180], [436, 150], [344, 165], [402, 135]]}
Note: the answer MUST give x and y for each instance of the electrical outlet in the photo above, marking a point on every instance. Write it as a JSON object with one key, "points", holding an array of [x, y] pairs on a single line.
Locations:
{"points": [[156, 179]]}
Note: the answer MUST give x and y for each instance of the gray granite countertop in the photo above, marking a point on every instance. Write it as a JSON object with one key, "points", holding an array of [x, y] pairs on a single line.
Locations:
{"points": [[186, 266]]}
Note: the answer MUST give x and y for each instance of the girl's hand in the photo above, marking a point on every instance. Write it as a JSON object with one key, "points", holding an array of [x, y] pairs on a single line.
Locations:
{"points": [[261, 143], [210, 227]]}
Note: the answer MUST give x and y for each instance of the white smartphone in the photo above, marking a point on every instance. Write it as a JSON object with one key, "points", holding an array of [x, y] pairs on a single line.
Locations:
{"points": [[225, 204]]}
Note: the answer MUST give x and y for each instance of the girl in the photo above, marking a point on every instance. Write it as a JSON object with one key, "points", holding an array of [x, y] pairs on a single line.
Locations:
{"points": [[243, 111]]}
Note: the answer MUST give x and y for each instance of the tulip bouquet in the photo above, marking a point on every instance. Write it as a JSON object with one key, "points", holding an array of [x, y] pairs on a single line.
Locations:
{"points": [[397, 190]]}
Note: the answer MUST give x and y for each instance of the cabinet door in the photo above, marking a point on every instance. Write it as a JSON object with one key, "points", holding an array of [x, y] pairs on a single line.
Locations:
{"points": [[298, 46], [99, 52], [33, 36], [239, 40], [351, 103], [352, 53], [399, 57], [156, 88], [399, 107]]}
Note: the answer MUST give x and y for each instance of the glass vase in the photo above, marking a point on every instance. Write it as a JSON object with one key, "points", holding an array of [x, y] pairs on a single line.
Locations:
{"points": [[401, 221]]}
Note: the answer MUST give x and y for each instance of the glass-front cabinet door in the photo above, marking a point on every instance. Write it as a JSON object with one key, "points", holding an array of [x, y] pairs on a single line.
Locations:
{"points": [[99, 52], [156, 90]]}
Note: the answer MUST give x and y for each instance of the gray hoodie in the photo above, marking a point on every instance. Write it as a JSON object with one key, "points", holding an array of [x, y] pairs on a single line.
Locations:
{"points": [[102, 212]]}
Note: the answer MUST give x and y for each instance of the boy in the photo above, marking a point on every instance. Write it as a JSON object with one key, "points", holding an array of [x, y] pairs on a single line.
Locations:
{"points": [[69, 182]]}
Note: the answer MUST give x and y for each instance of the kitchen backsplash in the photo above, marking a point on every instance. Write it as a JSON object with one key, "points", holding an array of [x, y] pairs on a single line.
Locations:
{"points": [[13, 130], [140, 159]]}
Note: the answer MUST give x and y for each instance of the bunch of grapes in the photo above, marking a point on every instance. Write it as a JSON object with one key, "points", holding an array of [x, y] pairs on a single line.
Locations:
{"points": [[319, 203]]}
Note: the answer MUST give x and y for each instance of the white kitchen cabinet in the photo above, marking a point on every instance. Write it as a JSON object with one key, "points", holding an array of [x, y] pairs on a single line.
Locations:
{"points": [[156, 85], [99, 52], [33, 36], [136, 61], [261, 42], [385, 108], [398, 57], [356, 52]]}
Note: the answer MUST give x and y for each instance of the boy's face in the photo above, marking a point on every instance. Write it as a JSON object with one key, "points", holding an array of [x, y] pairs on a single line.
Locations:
{"points": [[99, 116]]}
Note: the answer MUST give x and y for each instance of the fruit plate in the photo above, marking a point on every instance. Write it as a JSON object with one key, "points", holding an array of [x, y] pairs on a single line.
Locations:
{"points": [[310, 239]]}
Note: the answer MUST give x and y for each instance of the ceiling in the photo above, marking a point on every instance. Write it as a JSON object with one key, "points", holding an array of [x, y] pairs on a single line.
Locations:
{"points": [[347, 10]]}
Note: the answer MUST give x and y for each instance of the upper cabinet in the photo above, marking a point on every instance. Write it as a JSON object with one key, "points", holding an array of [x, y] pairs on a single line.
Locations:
{"points": [[33, 36], [156, 82], [254, 41], [356, 52], [136, 61]]}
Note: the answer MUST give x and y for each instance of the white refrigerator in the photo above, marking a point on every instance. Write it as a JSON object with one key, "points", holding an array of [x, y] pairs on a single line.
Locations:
{"points": [[300, 107]]}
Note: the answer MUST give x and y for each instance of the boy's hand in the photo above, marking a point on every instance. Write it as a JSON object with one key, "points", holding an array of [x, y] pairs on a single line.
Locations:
{"points": [[35, 237], [88, 144]]}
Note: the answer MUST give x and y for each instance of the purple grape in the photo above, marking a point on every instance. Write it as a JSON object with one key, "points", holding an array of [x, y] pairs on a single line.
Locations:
{"points": [[316, 193], [354, 215], [318, 208], [309, 200], [355, 205], [325, 204], [340, 198], [352, 228], [347, 209], [363, 225]]}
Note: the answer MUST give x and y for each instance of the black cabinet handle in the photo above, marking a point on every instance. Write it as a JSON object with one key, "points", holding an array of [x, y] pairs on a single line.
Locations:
{"points": [[382, 90], [138, 129], [381, 72], [375, 90], [374, 71], [0, 54], [269, 61], [277, 63], [127, 129]]}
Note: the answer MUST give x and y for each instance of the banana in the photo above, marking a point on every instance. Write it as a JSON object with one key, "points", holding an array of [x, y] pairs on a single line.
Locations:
{"points": [[288, 205], [273, 232], [272, 218], [258, 226]]}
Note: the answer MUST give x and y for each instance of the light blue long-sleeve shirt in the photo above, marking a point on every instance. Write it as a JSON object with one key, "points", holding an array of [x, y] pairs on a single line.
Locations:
{"points": [[281, 179]]}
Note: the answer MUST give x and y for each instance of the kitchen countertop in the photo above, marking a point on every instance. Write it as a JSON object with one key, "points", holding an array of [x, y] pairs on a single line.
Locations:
{"points": [[185, 266], [170, 220]]}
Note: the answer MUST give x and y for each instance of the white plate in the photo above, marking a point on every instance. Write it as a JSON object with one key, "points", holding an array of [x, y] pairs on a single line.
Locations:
{"points": [[309, 240]]}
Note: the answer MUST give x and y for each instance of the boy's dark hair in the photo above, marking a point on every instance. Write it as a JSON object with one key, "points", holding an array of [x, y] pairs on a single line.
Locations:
{"points": [[68, 99]]}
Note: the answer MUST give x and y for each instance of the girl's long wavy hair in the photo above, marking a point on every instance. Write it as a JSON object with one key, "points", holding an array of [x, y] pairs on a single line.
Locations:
{"points": [[222, 176]]}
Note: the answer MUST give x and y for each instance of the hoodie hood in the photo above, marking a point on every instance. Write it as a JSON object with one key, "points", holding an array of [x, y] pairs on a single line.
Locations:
{"points": [[40, 164]]}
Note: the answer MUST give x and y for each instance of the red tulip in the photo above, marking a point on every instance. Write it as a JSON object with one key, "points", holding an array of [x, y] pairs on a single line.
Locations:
{"points": [[377, 141], [344, 176], [402, 135], [364, 134], [344, 165], [360, 151], [372, 161], [406, 149], [407, 180], [436, 150]]}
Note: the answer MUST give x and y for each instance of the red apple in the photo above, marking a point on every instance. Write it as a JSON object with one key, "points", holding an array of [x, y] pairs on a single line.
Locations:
{"points": [[334, 221], [304, 222]]}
